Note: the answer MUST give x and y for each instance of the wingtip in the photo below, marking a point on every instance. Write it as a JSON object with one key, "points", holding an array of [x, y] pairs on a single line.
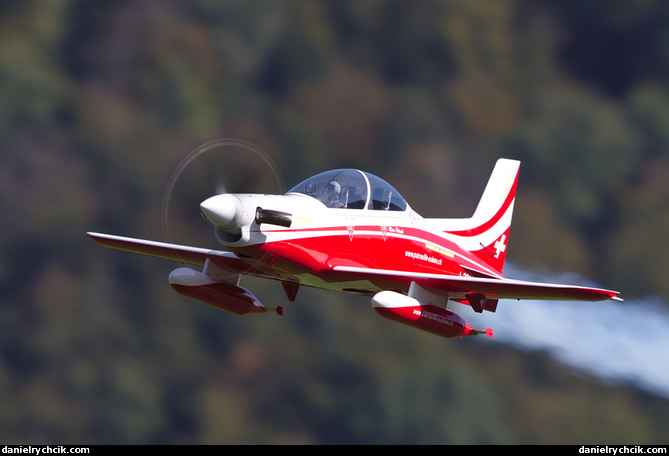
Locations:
{"points": [[93, 236]]}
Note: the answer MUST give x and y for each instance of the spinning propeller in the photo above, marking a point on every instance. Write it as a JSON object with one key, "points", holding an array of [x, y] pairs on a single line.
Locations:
{"points": [[208, 178]]}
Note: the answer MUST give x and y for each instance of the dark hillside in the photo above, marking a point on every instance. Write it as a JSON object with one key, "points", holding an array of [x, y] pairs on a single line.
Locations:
{"points": [[99, 101]]}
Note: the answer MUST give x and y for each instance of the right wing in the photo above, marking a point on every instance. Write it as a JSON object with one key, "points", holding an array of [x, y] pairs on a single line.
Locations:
{"points": [[491, 288], [227, 261]]}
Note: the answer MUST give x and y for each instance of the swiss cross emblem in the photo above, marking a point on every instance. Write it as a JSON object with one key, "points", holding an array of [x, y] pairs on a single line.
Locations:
{"points": [[500, 246]]}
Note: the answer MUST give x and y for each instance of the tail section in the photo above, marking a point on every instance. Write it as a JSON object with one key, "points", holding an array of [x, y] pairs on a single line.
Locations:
{"points": [[486, 233]]}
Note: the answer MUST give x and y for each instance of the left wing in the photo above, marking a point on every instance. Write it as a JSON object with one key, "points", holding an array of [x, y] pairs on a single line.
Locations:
{"points": [[219, 292], [491, 288], [227, 261]]}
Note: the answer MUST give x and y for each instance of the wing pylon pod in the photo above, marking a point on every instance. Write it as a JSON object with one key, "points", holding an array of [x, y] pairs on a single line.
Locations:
{"points": [[220, 294], [427, 317]]}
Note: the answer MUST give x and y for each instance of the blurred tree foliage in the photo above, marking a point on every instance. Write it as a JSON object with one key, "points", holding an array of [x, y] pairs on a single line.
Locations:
{"points": [[100, 100]]}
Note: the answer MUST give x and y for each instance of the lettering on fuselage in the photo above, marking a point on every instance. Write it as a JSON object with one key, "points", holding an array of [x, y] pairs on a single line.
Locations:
{"points": [[390, 229], [423, 257]]}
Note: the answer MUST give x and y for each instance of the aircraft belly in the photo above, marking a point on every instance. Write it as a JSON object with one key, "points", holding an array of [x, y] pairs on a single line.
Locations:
{"points": [[313, 259], [362, 287]]}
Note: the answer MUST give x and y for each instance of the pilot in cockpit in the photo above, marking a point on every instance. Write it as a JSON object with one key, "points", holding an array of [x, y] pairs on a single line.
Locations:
{"points": [[333, 190]]}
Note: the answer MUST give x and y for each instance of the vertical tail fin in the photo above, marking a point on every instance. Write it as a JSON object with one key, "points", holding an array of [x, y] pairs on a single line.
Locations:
{"points": [[486, 233]]}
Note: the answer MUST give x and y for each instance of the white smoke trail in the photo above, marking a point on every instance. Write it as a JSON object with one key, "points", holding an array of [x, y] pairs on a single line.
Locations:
{"points": [[621, 342]]}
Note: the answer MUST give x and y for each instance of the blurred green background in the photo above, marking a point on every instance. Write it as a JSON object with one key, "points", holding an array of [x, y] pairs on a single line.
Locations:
{"points": [[99, 101]]}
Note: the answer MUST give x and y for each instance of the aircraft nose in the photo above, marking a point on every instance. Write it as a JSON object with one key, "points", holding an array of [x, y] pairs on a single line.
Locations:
{"points": [[224, 211]]}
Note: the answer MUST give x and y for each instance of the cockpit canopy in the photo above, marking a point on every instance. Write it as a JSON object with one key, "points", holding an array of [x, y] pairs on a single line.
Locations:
{"points": [[352, 189]]}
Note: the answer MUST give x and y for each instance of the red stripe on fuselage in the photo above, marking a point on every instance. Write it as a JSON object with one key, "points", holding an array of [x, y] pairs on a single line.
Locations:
{"points": [[313, 251]]}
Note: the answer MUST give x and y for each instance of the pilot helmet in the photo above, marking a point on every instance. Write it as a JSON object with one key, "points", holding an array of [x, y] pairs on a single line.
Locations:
{"points": [[333, 188]]}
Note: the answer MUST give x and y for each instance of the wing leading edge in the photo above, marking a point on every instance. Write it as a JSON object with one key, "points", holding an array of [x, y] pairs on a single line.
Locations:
{"points": [[181, 253], [492, 288]]}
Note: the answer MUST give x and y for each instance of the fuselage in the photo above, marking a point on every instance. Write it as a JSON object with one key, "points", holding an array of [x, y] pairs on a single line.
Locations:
{"points": [[373, 233]]}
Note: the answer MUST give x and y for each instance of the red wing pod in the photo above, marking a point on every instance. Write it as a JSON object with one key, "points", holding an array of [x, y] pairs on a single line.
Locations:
{"points": [[427, 317], [222, 295]]}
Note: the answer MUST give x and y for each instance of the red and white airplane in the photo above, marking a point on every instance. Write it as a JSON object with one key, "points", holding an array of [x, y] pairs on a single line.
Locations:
{"points": [[348, 230]]}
